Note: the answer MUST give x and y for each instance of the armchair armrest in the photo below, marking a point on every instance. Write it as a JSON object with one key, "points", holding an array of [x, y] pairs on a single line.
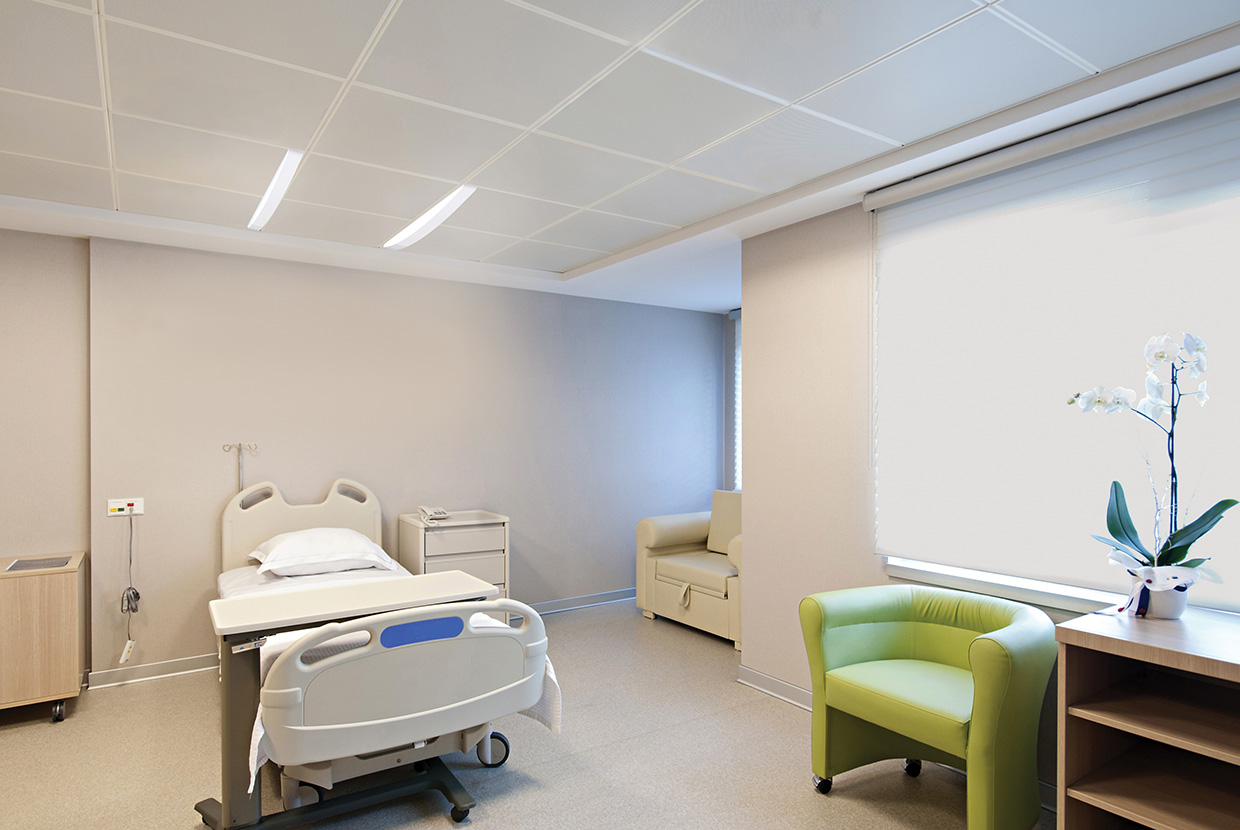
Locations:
{"points": [[734, 552], [677, 529]]}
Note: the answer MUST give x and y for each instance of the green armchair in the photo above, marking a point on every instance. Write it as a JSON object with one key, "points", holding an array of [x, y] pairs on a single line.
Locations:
{"points": [[908, 671]]}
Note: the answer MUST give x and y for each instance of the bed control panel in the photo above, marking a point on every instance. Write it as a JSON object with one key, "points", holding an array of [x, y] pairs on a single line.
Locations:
{"points": [[473, 541]]}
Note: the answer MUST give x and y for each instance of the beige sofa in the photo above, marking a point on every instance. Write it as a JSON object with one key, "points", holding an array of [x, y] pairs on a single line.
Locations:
{"points": [[689, 566]]}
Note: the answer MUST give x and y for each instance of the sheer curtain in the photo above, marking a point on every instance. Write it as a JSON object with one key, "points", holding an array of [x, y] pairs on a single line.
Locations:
{"points": [[1000, 298]]}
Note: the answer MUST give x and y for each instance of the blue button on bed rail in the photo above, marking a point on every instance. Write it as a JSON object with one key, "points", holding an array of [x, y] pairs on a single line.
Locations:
{"points": [[421, 631]]}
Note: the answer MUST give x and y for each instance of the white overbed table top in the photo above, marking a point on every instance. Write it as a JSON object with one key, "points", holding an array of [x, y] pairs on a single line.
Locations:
{"points": [[257, 612]]}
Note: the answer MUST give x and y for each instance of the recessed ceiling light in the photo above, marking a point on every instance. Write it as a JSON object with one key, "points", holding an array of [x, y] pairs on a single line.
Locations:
{"points": [[275, 191], [430, 220]]}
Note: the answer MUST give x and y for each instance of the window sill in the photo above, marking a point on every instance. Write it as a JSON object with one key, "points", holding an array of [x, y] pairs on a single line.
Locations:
{"points": [[1032, 591]]}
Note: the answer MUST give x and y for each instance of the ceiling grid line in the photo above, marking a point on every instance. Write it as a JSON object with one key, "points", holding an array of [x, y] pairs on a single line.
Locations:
{"points": [[1050, 43], [105, 94]]}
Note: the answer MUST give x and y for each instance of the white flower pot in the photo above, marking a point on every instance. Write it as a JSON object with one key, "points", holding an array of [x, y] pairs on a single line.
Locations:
{"points": [[1167, 605]]}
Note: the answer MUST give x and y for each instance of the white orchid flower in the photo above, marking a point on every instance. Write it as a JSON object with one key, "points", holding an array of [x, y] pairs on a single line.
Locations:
{"points": [[1153, 405], [1194, 355], [1160, 349], [1121, 399], [1200, 394], [1093, 399]]}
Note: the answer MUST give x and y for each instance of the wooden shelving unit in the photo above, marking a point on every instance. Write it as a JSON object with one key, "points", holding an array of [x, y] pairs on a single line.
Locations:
{"points": [[1149, 722]]}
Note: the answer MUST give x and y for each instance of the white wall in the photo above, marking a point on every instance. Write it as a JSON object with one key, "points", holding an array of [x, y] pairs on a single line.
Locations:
{"points": [[44, 450], [574, 417], [809, 486]]}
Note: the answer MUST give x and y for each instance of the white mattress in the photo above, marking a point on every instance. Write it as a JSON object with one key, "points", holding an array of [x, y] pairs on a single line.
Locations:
{"points": [[239, 582]]}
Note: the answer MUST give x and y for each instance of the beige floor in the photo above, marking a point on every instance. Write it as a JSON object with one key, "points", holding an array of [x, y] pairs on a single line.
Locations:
{"points": [[657, 733]]}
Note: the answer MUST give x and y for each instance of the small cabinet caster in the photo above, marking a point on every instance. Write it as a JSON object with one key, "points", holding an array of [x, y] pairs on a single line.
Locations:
{"points": [[823, 785], [58, 711], [458, 814], [912, 767]]}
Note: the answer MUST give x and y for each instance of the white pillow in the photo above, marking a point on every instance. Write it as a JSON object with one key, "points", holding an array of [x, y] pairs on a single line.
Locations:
{"points": [[320, 550]]}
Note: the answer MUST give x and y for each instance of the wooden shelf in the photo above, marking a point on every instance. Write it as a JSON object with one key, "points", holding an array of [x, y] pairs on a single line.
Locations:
{"points": [[1164, 789], [1162, 709]]}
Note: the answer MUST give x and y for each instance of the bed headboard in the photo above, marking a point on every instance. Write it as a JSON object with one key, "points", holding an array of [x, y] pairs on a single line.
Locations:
{"points": [[259, 512]]}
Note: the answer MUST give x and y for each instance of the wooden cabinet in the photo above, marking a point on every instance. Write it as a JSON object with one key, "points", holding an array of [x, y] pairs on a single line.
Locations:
{"points": [[1149, 722], [473, 541], [42, 629]]}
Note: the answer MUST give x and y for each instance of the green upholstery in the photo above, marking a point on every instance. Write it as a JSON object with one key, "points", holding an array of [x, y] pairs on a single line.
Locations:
{"points": [[909, 671]]}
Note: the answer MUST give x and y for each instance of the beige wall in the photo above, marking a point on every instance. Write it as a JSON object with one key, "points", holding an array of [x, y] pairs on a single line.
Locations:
{"points": [[574, 417], [44, 406], [809, 486]]}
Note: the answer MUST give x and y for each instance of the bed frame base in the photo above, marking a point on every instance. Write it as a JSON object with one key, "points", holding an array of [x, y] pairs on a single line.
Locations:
{"points": [[431, 773]]}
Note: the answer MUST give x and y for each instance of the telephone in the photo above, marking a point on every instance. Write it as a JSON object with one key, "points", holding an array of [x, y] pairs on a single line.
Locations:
{"points": [[432, 514]]}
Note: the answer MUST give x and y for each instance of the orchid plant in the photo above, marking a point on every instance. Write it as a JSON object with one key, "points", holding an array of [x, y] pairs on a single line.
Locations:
{"points": [[1184, 353]]}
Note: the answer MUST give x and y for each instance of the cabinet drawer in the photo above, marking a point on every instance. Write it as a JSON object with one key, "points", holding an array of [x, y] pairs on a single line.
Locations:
{"points": [[449, 540], [488, 567]]}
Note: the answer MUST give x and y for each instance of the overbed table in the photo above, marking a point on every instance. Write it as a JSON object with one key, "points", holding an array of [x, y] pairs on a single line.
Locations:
{"points": [[243, 622]]}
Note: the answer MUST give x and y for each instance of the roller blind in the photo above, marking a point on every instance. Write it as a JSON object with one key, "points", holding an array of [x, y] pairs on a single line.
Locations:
{"points": [[1000, 298]]}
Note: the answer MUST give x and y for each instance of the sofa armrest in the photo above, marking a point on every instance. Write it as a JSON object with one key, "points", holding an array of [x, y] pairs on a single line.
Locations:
{"points": [[734, 552], [678, 529]]}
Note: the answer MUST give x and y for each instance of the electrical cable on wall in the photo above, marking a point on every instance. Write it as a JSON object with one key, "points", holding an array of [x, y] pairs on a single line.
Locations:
{"points": [[129, 601], [240, 448]]}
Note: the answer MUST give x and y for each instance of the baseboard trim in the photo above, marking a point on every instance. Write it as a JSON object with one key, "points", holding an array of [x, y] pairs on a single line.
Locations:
{"points": [[553, 606], [152, 671], [775, 687]]}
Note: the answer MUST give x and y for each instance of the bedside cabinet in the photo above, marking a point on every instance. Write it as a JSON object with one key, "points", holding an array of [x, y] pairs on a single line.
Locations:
{"points": [[42, 629], [473, 541]]}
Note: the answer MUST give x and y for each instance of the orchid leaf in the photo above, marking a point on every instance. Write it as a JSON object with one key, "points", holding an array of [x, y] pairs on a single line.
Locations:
{"points": [[1194, 563], [1120, 523], [1122, 547], [1177, 544]]}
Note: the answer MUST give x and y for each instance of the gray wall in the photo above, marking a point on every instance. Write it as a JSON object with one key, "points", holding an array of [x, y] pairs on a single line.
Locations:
{"points": [[44, 360], [574, 417]]}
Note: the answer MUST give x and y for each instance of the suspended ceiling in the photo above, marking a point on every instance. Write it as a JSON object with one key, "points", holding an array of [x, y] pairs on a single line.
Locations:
{"points": [[594, 130]]}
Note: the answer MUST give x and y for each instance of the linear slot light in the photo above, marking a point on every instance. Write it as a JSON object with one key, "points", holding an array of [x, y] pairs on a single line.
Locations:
{"points": [[430, 220], [275, 191]]}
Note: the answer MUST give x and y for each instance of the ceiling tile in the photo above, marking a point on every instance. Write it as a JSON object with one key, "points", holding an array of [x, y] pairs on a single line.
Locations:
{"points": [[690, 110], [503, 213], [786, 149], [51, 129], [89, 5], [48, 51], [318, 222], [677, 198], [544, 256], [168, 79], [346, 184], [326, 35], [632, 20], [458, 243], [790, 48], [486, 56], [395, 132], [980, 65], [547, 168], [173, 200], [1110, 32], [55, 181], [601, 231], [161, 150]]}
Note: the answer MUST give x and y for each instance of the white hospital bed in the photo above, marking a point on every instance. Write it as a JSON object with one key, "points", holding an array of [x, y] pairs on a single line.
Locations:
{"points": [[411, 684]]}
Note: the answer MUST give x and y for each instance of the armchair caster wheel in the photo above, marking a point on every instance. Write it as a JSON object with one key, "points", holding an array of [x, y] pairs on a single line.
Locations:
{"points": [[458, 814], [912, 767], [823, 785]]}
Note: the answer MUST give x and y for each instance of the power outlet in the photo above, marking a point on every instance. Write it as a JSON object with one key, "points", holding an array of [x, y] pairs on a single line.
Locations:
{"points": [[126, 507]]}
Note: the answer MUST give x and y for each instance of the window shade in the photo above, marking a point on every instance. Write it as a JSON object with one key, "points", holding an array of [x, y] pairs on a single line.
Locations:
{"points": [[999, 299]]}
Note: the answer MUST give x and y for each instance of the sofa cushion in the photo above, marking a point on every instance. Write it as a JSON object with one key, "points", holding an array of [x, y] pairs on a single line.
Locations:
{"points": [[705, 571], [928, 702], [725, 520]]}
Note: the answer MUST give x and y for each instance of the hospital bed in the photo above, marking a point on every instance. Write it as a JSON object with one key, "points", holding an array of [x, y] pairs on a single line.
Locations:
{"points": [[406, 669]]}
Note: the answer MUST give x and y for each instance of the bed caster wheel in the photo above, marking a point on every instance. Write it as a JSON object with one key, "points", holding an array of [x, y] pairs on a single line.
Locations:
{"points": [[823, 785], [912, 767], [58, 711], [499, 750], [459, 815]]}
